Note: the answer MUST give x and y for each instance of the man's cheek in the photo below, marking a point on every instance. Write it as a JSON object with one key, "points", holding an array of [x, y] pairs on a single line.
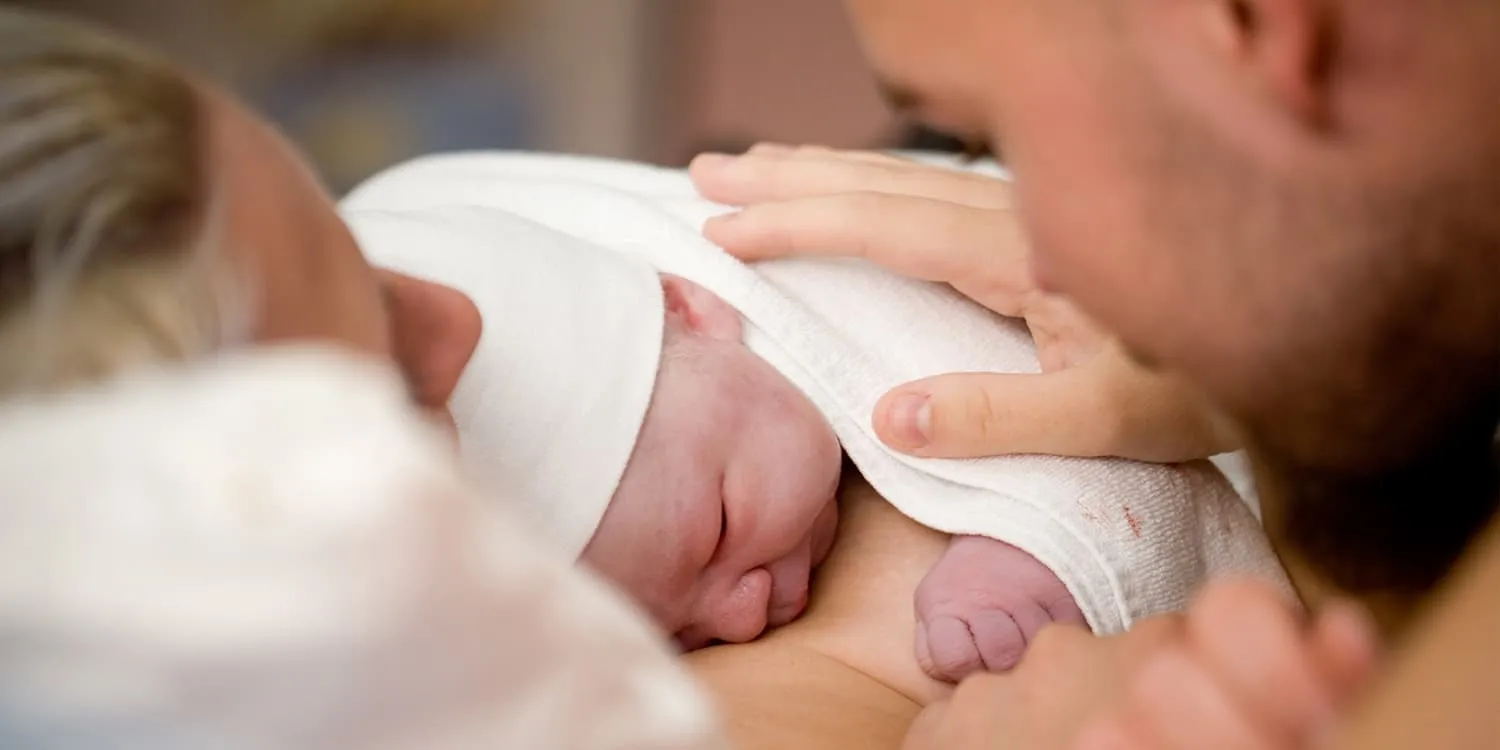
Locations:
{"points": [[1047, 236]]}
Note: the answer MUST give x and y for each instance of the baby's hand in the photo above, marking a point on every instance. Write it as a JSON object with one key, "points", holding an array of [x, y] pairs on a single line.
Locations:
{"points": [[980, 605]]}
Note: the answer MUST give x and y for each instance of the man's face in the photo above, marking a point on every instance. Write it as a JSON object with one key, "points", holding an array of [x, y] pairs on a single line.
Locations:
{"points": [[1333, 293], [1053, 86]]}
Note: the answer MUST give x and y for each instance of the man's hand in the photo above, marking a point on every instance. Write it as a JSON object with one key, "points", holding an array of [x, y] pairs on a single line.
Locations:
{"points": [[1240, 671], [956, 227], [1066, 678], [1249, 674]]}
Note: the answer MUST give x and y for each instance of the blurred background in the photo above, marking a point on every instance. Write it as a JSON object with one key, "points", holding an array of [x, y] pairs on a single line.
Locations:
{"points": [[361, 84]]}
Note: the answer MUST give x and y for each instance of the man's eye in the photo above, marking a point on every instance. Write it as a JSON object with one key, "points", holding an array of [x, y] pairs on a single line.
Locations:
{"points": [[975, 150]]}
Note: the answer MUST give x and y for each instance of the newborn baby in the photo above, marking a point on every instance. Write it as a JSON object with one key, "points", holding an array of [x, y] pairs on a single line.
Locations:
{"points": [[712, 500], [687, 444], [727, 504]]}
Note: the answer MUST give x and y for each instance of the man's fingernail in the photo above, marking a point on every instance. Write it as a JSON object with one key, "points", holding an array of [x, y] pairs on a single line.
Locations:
{"points": [[911, 419]]}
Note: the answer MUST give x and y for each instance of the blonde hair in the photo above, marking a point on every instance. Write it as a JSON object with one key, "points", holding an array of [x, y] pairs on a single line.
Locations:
{"points": [[104, 196]]}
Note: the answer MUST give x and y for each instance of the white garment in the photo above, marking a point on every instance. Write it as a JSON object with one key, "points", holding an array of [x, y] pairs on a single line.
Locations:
{"points": [[273, 551], [1128, 539]]}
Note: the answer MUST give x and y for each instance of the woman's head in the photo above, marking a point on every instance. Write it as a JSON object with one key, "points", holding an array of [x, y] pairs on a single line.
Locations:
{"points": [[145, 218]]}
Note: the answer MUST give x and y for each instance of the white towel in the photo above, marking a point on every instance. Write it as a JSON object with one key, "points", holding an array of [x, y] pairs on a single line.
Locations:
{"points": [[273, 551], [1128, 539]]}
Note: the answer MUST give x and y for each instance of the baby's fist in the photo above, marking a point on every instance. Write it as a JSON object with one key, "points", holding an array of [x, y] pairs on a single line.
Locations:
{"points": [[981, 604]]}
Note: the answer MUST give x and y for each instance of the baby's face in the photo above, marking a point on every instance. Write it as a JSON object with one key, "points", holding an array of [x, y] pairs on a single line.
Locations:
{"points": [[728, 501]]}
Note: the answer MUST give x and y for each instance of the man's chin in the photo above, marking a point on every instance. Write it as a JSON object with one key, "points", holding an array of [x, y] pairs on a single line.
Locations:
{"points": [[1389, 535]]}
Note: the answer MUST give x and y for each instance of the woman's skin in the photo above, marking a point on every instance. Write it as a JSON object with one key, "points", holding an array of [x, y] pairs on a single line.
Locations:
{"points": [[309, 279], [843, 675]]}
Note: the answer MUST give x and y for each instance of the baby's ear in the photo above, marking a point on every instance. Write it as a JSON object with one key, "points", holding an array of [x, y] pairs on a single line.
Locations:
{"points": [[700, 310]]}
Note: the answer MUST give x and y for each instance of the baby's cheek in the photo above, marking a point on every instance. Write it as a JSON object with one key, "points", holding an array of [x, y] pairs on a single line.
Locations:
{"points": [[644, 548]]}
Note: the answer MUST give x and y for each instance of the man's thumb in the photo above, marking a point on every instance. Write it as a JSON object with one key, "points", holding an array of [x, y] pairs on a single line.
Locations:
{"points": [[965, 415]]}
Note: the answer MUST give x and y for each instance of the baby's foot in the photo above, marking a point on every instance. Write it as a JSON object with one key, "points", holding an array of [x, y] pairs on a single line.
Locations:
{"points": [[980, 605]]}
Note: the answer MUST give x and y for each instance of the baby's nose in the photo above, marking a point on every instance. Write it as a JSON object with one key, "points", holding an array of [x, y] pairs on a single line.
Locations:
{"points": [[740, 614]]}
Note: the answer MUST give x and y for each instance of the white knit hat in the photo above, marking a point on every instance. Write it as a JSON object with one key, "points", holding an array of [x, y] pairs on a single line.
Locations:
{"points": [[550, 406]]}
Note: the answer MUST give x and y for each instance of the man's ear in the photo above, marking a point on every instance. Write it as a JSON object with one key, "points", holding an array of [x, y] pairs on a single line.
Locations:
{"points": [[1280, 46], [700, 310]]}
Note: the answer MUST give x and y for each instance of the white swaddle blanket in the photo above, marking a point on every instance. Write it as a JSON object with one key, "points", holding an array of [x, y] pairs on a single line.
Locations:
{"points": [[1128, 539], [273, 551]]}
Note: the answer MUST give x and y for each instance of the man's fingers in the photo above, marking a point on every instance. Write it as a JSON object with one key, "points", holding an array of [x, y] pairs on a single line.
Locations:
{"points": [[928, 731], [1345, 649], [768, 148], [824, 152], [962, 721], [1174, 701], [1153, 416], [921, 238], [1253, 639], [1089, 411], [965, 415], [776, 175]]}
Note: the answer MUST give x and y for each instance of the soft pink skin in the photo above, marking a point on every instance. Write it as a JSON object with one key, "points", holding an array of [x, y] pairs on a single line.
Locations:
{"points": [[981, 604], [728, 504]]}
